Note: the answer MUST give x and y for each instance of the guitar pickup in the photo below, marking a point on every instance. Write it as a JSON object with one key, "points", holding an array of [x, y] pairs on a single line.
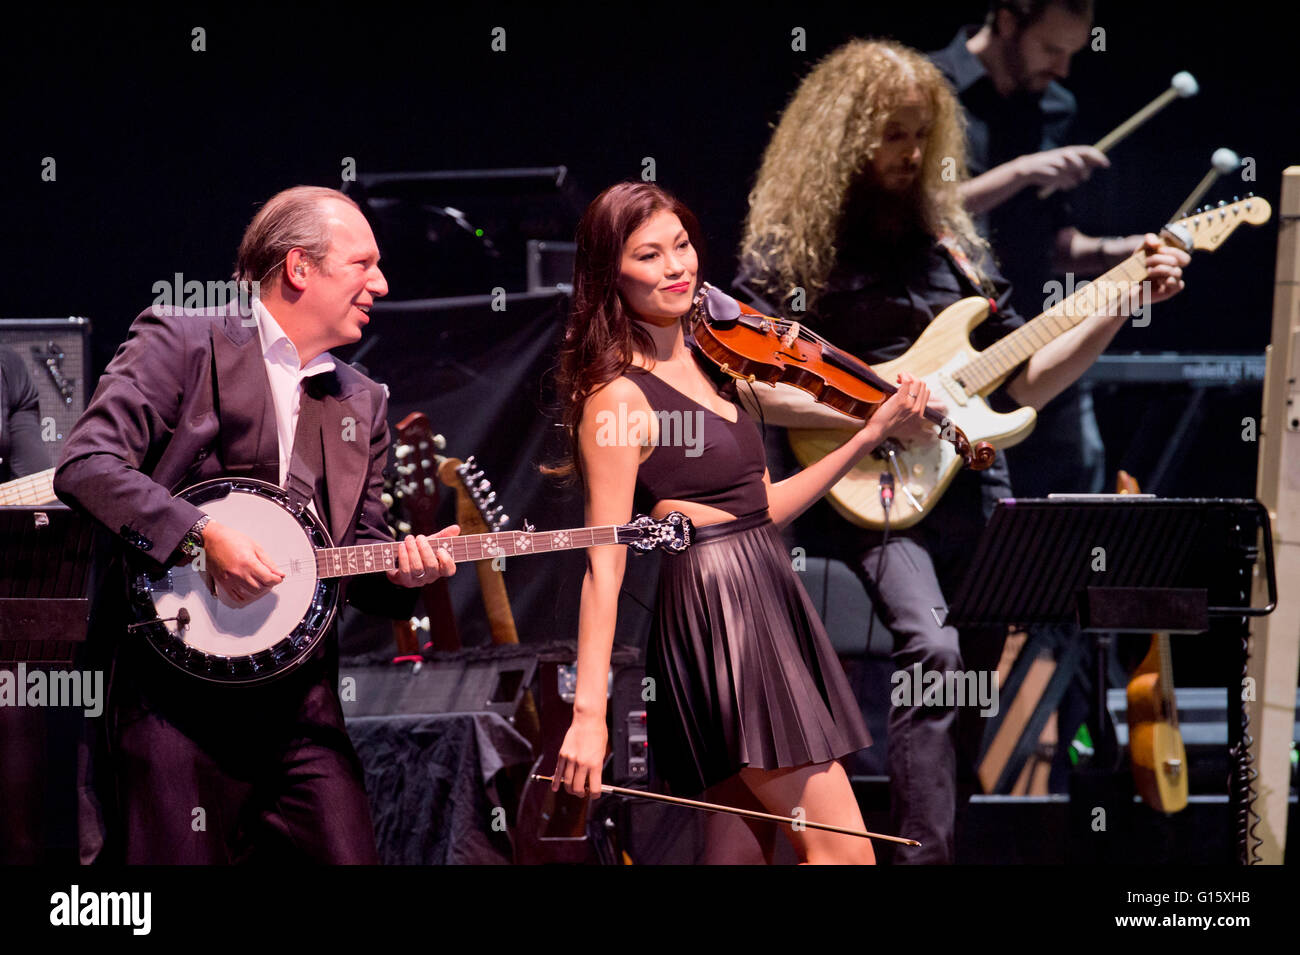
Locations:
{"points": [[953, 387]]}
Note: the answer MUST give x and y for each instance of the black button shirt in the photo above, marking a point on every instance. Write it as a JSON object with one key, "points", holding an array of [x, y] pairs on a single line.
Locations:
{"points": [[22, 451], [999, 128], [879, 300]]}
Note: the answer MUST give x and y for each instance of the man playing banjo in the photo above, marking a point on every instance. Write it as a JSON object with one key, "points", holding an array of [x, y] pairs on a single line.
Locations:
{"points": [[198, 772]]}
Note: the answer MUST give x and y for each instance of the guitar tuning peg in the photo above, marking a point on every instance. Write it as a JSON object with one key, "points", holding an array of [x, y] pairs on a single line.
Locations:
{"points": [[487, 501], [439, 442], [469, 463], [403, 450], [426, 463], [528, 527], [484, 485], [387, 499], [428, 485], [404, 527], [505, 519], [1222, 203]]}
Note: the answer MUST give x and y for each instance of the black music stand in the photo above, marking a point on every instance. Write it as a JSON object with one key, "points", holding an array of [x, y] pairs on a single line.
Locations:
{"points": [[1117, 563]]}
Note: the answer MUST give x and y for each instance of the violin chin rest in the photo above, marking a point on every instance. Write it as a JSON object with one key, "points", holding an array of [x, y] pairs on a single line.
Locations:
{"points": [[720, 306]]}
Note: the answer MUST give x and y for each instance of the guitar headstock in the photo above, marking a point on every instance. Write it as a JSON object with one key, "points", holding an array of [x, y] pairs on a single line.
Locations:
{"points": [[1207, 227], [416, 485], [643, 534], [477, 510]]}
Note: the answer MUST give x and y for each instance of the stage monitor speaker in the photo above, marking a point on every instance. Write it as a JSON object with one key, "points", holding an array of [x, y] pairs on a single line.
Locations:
{"points": [[56, 351], [491, 679]]}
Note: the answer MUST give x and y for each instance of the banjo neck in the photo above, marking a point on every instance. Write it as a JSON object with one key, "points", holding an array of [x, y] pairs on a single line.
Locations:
{"points": [[371, 558], [223, 643]]}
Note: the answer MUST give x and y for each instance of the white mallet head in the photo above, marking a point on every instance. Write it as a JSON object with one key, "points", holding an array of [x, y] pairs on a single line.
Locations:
{"points": [[1225, 160], [1184, 84]]}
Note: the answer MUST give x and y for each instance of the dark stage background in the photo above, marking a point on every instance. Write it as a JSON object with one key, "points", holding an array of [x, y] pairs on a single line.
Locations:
{"points": [[163, 155]]}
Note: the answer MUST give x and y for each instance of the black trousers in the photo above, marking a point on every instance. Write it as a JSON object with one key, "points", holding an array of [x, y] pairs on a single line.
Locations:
{"points": [[203, 774], [933, 747]]}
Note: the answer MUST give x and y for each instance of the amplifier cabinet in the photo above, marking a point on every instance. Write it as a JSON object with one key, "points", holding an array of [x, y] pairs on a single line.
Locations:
{"points": [[57, 353]]}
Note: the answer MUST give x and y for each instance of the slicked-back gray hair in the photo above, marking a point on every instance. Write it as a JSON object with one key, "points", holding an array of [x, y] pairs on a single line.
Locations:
{"points": [[292, 219]]}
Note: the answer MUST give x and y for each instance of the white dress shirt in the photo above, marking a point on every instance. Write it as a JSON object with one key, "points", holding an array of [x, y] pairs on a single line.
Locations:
{"points": [[286, 374]]}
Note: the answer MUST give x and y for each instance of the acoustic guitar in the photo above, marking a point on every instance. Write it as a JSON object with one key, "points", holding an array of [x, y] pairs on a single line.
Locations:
{"points": [[1154, 740]]}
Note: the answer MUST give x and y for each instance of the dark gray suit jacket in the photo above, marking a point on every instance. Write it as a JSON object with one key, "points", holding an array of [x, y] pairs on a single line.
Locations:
{"points": [[185, 399]]}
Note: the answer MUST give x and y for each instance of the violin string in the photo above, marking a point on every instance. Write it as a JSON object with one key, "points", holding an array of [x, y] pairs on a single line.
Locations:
{"points": [[807, 334]]}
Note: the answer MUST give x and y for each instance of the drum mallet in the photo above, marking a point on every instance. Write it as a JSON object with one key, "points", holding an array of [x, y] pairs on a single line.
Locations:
{"points": [[1222, 162], [1181, 86]]}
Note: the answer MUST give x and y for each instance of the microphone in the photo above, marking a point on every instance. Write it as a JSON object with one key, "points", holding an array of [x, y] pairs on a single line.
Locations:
{"points": [[886, 489]]}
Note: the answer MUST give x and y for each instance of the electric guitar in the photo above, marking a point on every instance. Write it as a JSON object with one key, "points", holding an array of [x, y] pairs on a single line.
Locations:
{"points": [[35, 488], [217, 641], [961, 377]]}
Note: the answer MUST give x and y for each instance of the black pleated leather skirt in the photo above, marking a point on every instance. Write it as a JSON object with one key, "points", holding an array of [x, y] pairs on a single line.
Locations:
{"points": [[744, 674]]}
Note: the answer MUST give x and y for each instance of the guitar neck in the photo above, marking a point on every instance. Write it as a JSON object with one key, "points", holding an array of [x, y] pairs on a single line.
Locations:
{"points": [[1167, 678], [371, 558], [1110, 290], [35, 488]]}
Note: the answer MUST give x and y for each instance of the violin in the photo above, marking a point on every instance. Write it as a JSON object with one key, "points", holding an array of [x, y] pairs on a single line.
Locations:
{"points": [[751, 346]]}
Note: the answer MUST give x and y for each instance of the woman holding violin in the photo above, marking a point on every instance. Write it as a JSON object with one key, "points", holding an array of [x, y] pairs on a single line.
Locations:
{"points": [[749, 704]]}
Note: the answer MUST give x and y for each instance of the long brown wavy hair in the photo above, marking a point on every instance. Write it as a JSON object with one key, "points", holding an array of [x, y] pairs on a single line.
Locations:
{"points": [[602, 334], [829, 132]]}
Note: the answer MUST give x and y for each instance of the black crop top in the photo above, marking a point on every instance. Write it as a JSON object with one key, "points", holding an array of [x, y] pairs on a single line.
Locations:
{"points": [[700, 456]]}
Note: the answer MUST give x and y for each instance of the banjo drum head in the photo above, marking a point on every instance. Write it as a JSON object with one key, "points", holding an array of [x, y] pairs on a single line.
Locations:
{"points": [[216, 626]]}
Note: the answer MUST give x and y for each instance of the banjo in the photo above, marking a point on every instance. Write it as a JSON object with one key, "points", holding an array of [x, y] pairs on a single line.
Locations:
{"points": [[267, 638]]}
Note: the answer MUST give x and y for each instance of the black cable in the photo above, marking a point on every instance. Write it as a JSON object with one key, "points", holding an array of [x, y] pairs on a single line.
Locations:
{"points": [[880, 561]]}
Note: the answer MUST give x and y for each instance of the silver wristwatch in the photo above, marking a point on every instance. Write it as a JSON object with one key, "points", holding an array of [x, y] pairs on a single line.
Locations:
{"points": [[192, 542]]}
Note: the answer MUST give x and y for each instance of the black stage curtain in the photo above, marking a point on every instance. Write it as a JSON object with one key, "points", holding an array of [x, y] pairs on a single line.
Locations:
{"points": [[484, 376]]}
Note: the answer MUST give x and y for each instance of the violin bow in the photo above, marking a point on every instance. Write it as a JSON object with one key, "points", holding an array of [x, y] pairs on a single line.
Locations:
{"points": [[747, 813]]}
